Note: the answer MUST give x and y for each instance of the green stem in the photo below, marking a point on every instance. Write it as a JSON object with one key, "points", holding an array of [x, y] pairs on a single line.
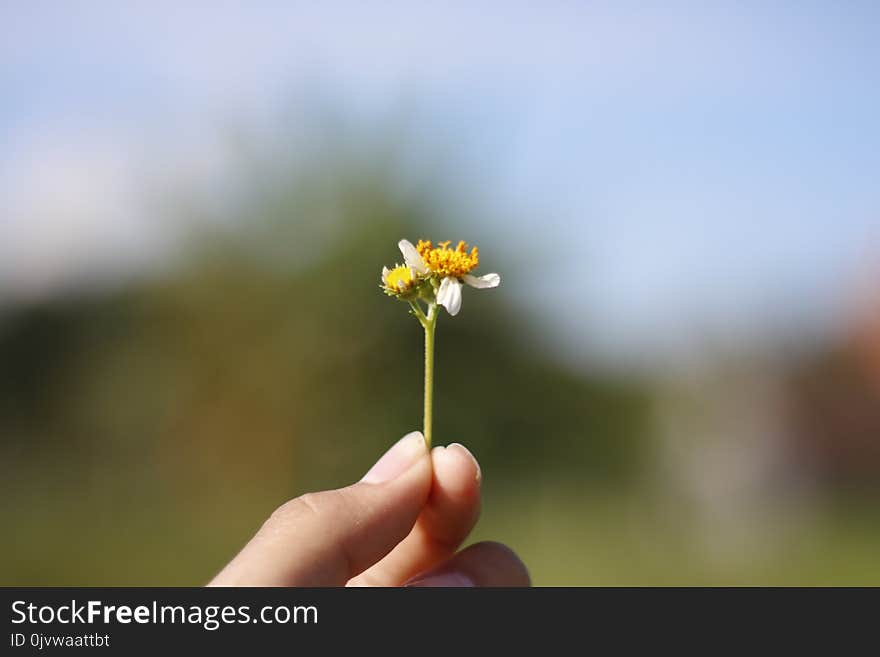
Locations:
{"points": [[429, 324], [417, 311]]}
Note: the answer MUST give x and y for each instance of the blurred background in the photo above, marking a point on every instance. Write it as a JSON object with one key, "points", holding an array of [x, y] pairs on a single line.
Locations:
{"points": [[678, 381]]}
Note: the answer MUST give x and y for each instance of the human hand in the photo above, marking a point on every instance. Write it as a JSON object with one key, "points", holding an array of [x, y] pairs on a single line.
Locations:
{"points": [[400, 525]]}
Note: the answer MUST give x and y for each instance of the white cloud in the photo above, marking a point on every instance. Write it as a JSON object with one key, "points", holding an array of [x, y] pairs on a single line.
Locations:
{"points": [[84, 201]]}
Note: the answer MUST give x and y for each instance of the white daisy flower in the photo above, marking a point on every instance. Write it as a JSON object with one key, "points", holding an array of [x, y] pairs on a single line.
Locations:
{"points": [[451, 266]]}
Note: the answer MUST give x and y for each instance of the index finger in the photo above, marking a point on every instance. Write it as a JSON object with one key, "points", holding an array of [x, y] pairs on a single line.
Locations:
{"points": [[324, 539]]}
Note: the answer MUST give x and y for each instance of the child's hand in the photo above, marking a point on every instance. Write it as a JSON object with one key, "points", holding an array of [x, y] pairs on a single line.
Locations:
{"points": [[401, 524]]}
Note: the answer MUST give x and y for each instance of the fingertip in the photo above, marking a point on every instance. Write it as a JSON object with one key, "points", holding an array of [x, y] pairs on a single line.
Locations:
{"points": [[458, 447], [456, 472], [399, 458], [453, 504]]}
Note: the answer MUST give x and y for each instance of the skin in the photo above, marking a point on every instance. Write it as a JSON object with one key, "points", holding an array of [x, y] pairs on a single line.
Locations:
{"points": [[402, 524]]}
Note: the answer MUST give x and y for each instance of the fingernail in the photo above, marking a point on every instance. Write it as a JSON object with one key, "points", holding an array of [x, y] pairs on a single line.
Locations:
{"points": [[457, 580], [397, 460], [473, 458]]}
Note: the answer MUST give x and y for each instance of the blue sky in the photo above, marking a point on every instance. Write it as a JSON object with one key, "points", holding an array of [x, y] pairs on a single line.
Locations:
{"points": [[690, 167]]}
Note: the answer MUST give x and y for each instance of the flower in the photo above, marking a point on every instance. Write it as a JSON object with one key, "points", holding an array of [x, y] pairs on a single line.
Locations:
{"points": [[451, 267], [432, 276], [400, 280]]}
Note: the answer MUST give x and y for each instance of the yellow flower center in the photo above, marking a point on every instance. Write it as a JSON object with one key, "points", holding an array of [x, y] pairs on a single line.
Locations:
{"points": [[448, 262], [400, 278]]}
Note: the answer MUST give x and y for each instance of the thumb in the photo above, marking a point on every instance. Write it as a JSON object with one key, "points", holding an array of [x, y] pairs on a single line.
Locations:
{"points": [[326, 538]]}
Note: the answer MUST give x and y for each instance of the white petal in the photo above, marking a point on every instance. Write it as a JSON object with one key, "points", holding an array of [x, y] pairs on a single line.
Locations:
{"points": [[482, 282], [412, 257], [385, 272], [449, 295]]}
